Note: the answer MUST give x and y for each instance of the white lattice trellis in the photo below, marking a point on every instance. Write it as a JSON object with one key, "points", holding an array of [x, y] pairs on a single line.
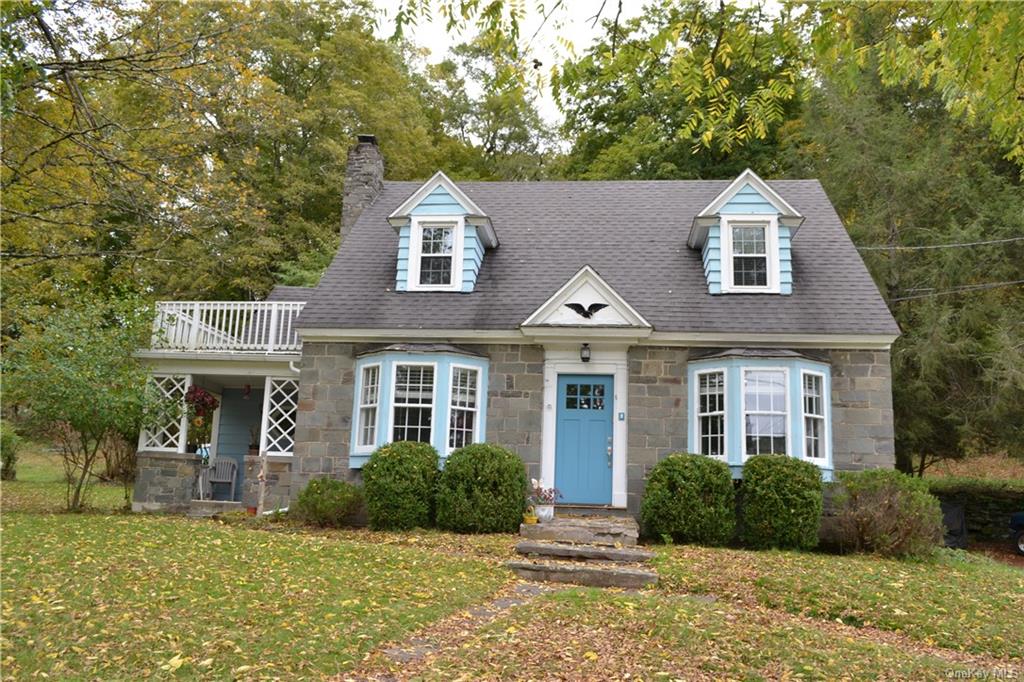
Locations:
{"points": [[280, 401], [170, 428]]}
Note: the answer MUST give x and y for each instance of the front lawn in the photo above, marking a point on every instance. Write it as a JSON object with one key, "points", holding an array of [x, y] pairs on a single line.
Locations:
{"points": [[591, 634], [956, 601], [126, 596]]}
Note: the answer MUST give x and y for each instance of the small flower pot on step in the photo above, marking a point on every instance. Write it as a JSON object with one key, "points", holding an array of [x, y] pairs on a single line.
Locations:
{"points": [[544, 512]]}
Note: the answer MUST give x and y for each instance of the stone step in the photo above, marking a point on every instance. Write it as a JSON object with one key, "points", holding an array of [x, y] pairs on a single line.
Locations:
{"points": [[590, 530], [208, 508], [626, 555], [591, 575]]}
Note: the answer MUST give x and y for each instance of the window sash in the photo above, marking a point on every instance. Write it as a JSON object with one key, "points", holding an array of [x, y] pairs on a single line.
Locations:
{"points": [[765, 413], [437, 253], [369, 398], [711, 413], [813, 400], [463, 406], [413, 402]]}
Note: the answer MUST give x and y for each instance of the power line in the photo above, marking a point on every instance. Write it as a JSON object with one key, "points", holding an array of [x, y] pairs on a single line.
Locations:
{"points": [[958, 290], [939, 246]]}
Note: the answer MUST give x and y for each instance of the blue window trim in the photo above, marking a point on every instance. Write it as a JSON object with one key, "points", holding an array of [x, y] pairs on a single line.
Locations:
{"points": [[443, 364], [734, 418]]}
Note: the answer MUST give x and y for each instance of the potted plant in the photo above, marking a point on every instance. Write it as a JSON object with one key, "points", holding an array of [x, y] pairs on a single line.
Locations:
{"points": [[543, 500], [529, 517], [201, 405]]}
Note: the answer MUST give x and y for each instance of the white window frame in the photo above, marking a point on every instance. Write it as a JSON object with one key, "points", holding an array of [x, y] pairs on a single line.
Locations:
{"points": [[725, 411], [360, 405], [417, 224], [451, 406], [786, 403], [391, 399], [826, 441], [771, 238]]}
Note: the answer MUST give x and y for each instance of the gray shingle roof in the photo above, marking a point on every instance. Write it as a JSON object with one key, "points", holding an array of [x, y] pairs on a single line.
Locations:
{"points": [[633, 233]]}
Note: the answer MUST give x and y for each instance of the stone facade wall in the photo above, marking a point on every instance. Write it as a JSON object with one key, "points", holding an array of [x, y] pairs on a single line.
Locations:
{"points": [[657, 410], [324, 414], [279, 479], [165, 481], [515, 400], [862, 419]]}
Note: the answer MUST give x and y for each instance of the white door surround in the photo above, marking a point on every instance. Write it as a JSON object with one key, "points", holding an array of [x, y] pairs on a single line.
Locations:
{"points": [[563, 358]]}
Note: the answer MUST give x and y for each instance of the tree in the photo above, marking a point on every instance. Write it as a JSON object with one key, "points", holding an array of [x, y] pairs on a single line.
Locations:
{"points": [[683, 91], [968, 52], [936, 211], [78, 381]]}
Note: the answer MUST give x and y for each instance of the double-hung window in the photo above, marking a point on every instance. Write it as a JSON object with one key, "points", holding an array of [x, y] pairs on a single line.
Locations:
{"points": [[750, 254], [814, 416], [369, 397], [462, 420], [711, 413], [435, 254], [413, 412], [764, 411]]}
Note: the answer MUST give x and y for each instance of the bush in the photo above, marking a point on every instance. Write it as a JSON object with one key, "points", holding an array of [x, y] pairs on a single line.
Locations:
{"points": [[398, 483], [327, 503], [690, 498], [781, 502], [10, 443], [482, 489], [987, 503], [888, 513]]}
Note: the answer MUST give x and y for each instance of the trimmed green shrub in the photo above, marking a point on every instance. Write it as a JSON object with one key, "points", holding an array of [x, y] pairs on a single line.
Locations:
{"points": [[887, 512], [781, 502], [689, 498], [987, 503], [10, 443], [398, 484], [482, 489], [327, 503]]}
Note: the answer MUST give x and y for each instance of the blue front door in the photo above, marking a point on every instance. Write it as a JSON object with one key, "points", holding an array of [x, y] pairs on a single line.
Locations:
{"points": [[583, 439]]}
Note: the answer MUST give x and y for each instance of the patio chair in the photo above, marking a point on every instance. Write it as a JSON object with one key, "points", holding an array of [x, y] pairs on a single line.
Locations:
{"points": [[222, 470]]}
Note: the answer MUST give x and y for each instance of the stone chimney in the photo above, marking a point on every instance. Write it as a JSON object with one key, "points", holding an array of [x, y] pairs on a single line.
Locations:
{"points": [[364, 179]]}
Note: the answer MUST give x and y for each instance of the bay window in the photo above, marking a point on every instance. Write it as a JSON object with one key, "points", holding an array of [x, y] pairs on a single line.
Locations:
{"points": [[369, 396], [814, 415], [764, 412], [711, 413], [463, 407], [413, 412]]}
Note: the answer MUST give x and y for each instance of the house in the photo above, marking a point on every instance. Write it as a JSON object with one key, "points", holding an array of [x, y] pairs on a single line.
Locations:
{"points": [[591, 327]]}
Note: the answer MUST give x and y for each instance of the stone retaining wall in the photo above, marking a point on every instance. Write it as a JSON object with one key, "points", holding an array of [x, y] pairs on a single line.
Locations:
{"points": [[165, 481]]}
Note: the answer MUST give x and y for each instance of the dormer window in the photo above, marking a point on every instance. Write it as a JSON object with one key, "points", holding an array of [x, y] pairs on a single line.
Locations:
{"points": [[750, 254], [435, 254]]}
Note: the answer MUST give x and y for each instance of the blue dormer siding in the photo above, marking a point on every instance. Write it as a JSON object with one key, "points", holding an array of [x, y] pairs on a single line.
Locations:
{"points": [[713, 260], [785, 261], [439, 202], [472, 258], [747, 201]]}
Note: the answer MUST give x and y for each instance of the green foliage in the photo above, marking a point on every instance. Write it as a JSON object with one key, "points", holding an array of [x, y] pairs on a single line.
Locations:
{"points": [[78, 380], [987, 503], [887, 512], [327, 502], [687, 90], [690, 498], [781, 502], [398, 484], [10, 444], [482, 489]]}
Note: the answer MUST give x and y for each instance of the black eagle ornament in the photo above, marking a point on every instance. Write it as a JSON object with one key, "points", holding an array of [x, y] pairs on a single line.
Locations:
{"points": [[587, 312]]}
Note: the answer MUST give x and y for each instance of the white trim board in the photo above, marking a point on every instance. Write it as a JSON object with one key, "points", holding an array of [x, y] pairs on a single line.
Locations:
{"points": [[474, 215], [653, 338], [604, 361]]}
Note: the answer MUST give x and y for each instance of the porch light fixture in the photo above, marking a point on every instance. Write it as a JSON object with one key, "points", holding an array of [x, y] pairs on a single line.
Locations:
{"points": [[585, 352]]}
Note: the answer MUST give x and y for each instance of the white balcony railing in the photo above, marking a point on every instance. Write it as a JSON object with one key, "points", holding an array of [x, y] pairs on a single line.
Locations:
{"points": [[253, 326]]}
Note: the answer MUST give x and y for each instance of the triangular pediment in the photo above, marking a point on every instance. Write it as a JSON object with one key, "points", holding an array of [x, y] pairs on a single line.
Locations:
{"points": [[747, 194], [586, 300], [440, 191]]}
